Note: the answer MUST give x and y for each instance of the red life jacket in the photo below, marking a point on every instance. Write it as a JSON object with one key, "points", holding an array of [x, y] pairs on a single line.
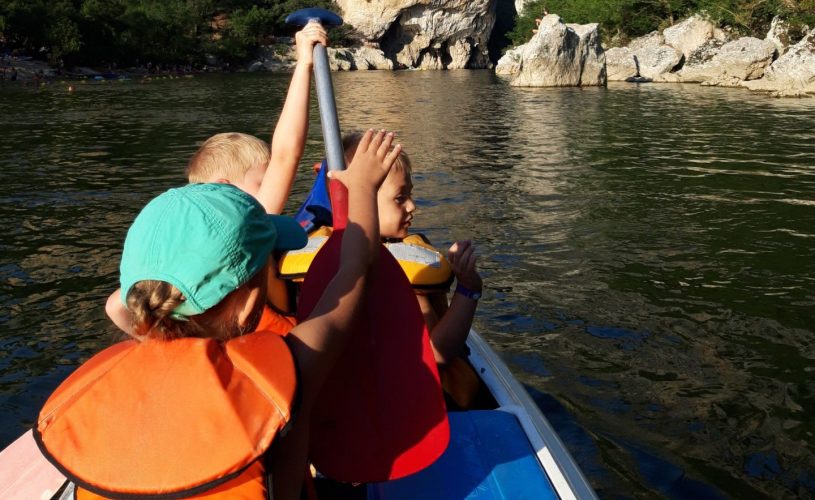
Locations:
{"points": [[179, 418]]}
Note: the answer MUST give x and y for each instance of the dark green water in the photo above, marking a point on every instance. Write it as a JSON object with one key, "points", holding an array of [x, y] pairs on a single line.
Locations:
{"points": [[649, 251]]}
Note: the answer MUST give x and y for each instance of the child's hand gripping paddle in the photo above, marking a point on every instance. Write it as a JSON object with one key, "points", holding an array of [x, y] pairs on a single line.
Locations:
{"points": [[381, 413]]}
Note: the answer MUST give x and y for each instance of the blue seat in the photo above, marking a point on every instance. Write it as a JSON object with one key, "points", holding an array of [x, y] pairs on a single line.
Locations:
{"points": [[489, 457]]}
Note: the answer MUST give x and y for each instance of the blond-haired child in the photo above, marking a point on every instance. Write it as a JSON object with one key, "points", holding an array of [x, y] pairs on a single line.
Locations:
{"points": [[248, 162], [192, 406]]}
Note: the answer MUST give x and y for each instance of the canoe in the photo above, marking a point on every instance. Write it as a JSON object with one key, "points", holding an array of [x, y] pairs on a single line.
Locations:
{"points": [[510, 451]]}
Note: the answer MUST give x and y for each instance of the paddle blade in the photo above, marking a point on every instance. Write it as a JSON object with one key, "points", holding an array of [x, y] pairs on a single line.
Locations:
{"points": [[381, 413]]}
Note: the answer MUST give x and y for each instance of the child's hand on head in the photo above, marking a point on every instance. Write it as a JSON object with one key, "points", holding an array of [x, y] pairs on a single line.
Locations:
{"points": [[462, 259], [371, 163], [306, 39]]}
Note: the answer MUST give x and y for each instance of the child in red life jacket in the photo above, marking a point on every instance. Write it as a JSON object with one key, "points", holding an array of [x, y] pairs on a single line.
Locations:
{"points": [[448, 323], [251, 165], [192, 406]]}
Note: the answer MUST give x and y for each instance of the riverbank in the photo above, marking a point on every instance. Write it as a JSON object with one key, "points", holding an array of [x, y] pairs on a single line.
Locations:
{"points": [[694, 50]]}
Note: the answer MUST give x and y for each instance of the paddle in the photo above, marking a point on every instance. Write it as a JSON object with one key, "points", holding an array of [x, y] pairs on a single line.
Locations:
{"points": [[381, 414]]}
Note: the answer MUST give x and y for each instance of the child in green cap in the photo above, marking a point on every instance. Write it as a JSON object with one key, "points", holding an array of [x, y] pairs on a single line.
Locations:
{"points": [[247, 162], [192, 406]]}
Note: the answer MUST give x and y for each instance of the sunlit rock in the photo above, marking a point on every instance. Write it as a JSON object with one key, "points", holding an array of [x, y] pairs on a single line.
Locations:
{"points": [[734, 62], [791, 75], [370, 58], [655, 62], [779, 34], [620, 64], [558, 56], [689, 34], [444, 34], [510, 62]]}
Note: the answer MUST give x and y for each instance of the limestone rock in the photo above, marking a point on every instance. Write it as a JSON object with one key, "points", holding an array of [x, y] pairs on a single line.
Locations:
{"points": [[652, 40], [561, 56], [779, 34], [737, 61], [591, 52], [704, 53], [792, 74], [370, 58], [340, 59], [690, 34], [620, 64], [510, 63], [654, 57], [451, 34]]}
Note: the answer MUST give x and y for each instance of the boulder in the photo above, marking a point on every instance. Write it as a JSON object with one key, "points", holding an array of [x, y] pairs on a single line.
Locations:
{"points": [[449, 34], [340, 59], [733, 63], [652, 40], [689, 34], [510, 63], [791, 75], [779, 34], [620, 64], [592, 54], [704, 53], [370, 58], [654, 57], [360, 58], [557, 56], [658, 62]]}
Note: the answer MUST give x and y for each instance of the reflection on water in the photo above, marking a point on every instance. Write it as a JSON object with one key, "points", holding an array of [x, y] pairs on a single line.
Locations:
{"points": [[648, 249]]}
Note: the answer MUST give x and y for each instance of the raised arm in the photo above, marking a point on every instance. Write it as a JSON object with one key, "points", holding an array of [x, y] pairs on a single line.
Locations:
{"points": [[318, 341], [291, 132]]}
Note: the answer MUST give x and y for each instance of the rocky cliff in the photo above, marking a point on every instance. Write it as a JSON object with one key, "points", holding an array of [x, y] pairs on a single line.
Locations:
{"points": [[427, 34]]}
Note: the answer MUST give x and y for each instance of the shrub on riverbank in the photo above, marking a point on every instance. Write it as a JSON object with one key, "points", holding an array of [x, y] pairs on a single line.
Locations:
{"points": [[622, 20], [128, 32]]}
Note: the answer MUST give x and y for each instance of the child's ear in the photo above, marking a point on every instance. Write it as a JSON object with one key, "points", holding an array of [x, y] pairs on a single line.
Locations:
{"points": [[247, 307]]}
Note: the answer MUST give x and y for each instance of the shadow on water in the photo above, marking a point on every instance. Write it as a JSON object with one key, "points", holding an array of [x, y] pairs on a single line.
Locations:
{"points": [[647, 249]]}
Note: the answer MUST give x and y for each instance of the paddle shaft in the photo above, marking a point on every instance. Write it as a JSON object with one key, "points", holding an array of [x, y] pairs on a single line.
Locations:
{"points": [[334, 153]]}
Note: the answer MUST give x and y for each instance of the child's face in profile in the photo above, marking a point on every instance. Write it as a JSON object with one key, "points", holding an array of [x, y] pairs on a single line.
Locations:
{"points": [[396, 205]]}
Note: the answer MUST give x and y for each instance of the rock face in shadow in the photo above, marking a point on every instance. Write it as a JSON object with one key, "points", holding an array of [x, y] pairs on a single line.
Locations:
{"points": [[558, 55], [791, 75], [427, 34]]}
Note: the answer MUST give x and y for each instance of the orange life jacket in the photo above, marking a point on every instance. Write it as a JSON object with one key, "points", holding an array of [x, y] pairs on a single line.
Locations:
{"points": [[275, 322], [179, 418]]}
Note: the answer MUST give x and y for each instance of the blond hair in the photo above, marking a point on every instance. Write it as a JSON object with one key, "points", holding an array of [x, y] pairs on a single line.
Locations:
{"points": [[227, 156], [152, 303], [350, 141]]}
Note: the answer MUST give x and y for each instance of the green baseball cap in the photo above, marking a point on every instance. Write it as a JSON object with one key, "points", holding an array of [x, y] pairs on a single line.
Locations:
{"points": [[206, 240]]}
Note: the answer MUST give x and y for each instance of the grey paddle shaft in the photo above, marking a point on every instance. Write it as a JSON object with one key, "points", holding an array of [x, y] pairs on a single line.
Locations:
{"points": [[328, 110]]}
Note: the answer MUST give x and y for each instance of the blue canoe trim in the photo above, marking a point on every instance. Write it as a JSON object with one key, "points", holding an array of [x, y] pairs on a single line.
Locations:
{"points": [[489, 457]]}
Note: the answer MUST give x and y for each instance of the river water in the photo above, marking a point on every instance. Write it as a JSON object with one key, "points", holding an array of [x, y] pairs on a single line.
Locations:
{"points": [[648, 251]]}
